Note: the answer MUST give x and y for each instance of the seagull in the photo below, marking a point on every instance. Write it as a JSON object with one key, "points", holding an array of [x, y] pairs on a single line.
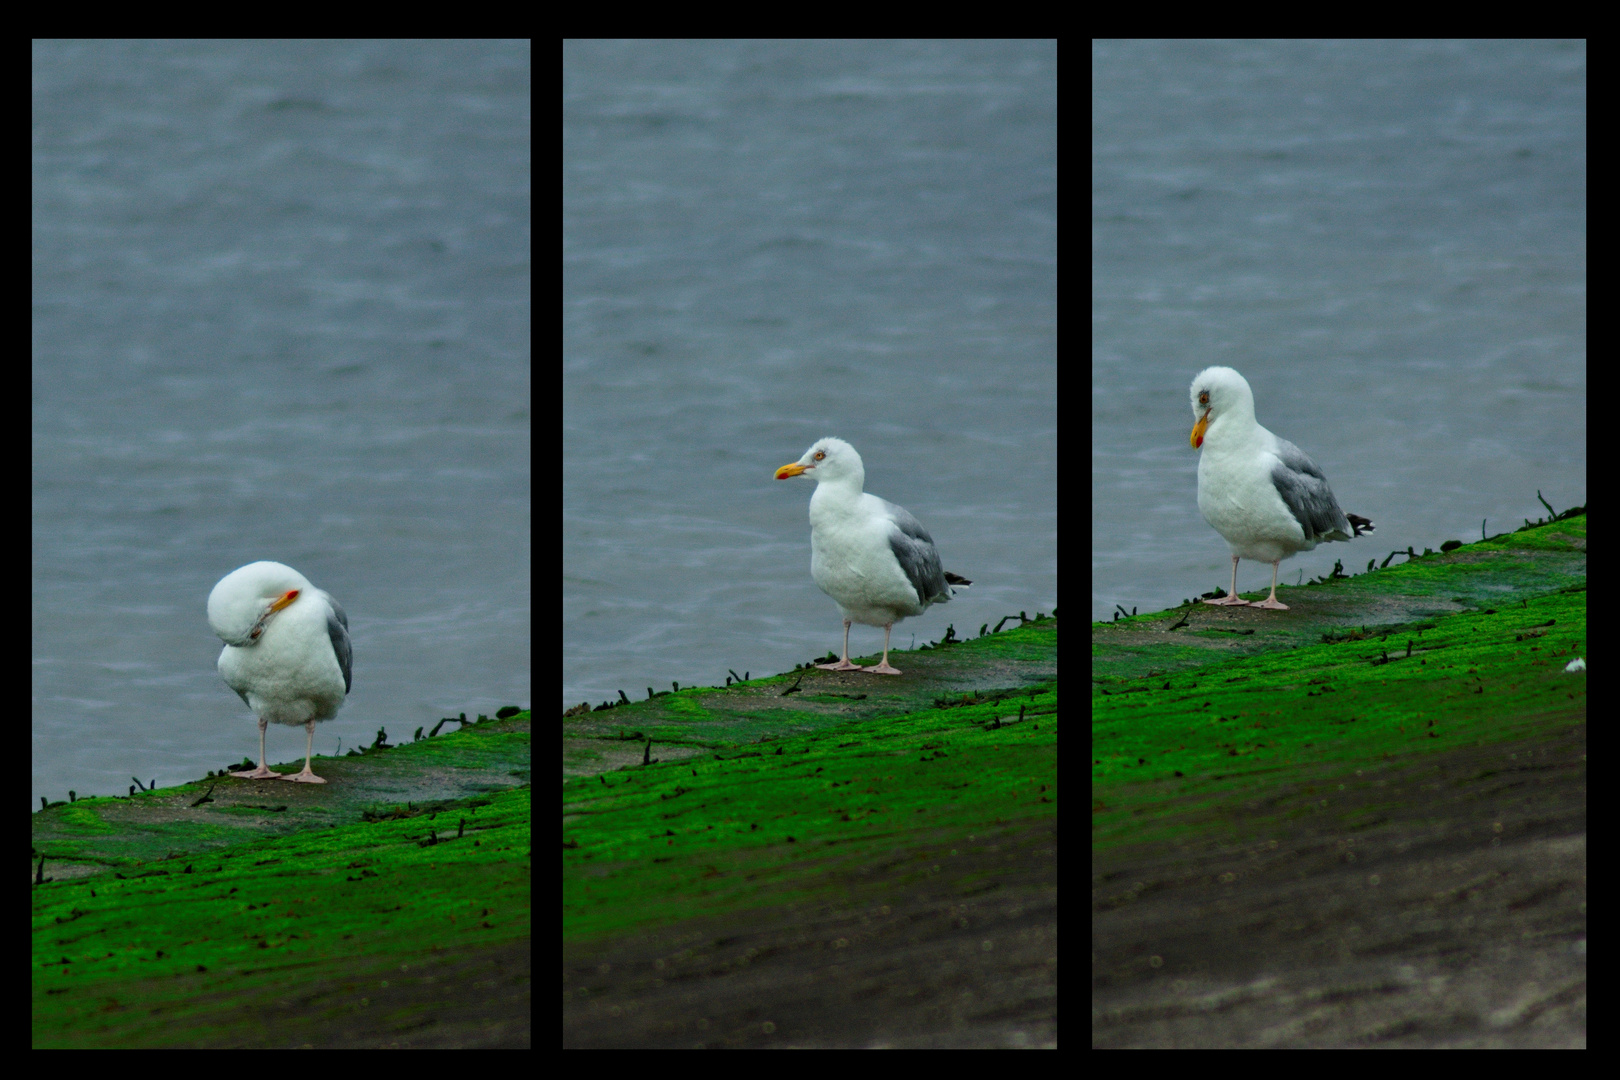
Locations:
{"points": [[286, 652], [1260, 492], [873, 558]]}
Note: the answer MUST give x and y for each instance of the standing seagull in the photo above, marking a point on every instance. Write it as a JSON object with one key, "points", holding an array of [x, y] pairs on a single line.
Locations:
{"points": [[1262, 493], [874, 559], [286, 652]]}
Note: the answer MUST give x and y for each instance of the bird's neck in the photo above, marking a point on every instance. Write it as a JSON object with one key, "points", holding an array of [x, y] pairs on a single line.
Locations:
{"points": [[835, 500]]}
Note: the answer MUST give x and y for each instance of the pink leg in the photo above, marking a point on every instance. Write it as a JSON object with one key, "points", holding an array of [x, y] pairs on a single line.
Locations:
{"points": [[1271, 601], [1231, 599], [844, 664], [884, 668], [307, 776], [263, 771]]}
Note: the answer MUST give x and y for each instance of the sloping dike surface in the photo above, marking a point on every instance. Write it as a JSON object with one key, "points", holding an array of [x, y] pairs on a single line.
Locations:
{"points": [[1360, 822], [820, 859], [388, 907]]}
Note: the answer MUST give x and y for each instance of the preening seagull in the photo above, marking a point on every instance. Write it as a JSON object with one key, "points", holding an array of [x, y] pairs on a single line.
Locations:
{"points": [[286, 652]]}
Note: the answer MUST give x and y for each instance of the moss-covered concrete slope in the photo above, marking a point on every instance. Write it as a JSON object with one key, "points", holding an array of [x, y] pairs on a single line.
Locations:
{"points": [[387, 907], [1201, 708], [792, 788]]}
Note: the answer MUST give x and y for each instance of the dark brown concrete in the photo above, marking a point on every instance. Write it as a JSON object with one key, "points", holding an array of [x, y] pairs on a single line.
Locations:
{"points": [[1455, 917]]}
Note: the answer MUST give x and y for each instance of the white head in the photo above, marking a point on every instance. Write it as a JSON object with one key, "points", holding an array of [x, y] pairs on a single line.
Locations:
{"points": [[246, 599], [1218, 393], [828, 459]]}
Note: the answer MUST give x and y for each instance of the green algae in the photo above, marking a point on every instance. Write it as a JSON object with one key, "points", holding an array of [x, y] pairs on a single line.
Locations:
{"points": [[793, 788], [170, 921], [1223, 724]]}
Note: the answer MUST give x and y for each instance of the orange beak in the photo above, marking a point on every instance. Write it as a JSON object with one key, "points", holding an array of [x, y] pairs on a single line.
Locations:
{"points": [[281, 601], [1197, 437], [789, 471]]}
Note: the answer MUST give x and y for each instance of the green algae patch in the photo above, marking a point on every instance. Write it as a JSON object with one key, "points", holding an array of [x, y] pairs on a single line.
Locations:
{"points": [[808, 787], [97, 835], [1224, 725], [236, 913]]}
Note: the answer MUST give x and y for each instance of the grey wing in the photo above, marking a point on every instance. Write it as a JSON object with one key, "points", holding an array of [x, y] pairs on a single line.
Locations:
{"points": [[915, 551], [337, 628], [1305, 491]]}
